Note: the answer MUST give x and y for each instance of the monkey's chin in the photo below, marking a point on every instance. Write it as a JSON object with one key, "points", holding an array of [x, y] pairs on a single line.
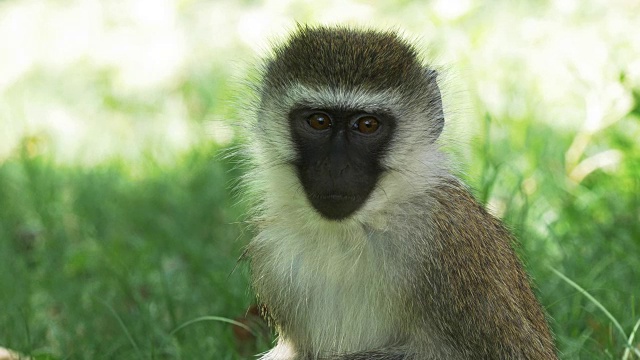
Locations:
{"points": [[335, 206]]}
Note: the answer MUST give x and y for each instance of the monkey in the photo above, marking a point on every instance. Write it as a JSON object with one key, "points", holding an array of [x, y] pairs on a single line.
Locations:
{"points": [[367, 245]]}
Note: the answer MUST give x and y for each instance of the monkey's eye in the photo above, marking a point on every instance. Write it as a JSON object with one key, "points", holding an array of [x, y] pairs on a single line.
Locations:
{"points": [[319, 121], [366, 125]]}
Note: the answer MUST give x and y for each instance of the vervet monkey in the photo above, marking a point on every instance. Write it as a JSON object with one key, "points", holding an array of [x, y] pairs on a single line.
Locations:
{"points": [[367, 246]]}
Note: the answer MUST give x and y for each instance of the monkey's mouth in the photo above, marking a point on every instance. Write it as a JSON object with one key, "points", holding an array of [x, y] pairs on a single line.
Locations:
{"points": [[335, 197], [336, 206]]}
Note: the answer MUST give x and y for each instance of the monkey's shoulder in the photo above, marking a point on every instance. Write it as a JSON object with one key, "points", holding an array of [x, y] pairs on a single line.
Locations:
{"points": [[457, 212]]}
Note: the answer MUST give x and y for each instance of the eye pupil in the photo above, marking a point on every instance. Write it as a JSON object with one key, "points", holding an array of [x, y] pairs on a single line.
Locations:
{"points": [[319, 121], [367, 124]]}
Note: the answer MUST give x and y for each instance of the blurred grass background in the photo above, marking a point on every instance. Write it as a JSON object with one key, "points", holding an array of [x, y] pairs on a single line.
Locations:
{"points": [[117, 223]]}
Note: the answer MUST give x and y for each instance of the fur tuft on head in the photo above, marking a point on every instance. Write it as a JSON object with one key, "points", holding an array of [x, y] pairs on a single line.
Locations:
{"points": [[346, 58]]}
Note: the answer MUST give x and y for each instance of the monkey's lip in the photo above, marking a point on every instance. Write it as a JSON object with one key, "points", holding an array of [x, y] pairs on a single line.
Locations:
{"points": [[336, 206], [335, 197]]}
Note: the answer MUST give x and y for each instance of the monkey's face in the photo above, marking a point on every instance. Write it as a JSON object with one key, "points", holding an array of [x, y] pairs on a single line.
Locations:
{"points": [[352, 117], [338, 156]]}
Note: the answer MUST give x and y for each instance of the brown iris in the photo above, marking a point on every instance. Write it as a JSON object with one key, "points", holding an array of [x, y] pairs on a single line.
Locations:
{"points": [[367, 124], [319, 121]]}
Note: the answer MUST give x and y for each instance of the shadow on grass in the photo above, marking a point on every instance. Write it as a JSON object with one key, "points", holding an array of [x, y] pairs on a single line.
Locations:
{"points": [[106, 262]]}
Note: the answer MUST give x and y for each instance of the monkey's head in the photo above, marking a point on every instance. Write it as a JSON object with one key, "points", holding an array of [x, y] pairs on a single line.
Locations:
{"points": [[343, 109]]}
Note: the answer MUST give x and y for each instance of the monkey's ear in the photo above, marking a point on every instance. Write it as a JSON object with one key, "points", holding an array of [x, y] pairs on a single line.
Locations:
{"points": [[438, 125], [435, 104]]}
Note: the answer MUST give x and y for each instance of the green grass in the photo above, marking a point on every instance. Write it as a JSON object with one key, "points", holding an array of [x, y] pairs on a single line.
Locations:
{"points": [[112, 261]]}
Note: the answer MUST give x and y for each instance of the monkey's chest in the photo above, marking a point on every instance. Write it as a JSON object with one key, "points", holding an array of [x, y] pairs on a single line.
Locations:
{"points": [[337, 302]]}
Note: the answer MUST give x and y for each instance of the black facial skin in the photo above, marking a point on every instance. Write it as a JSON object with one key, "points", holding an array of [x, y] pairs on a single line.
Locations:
{"points": [[339, 165]]}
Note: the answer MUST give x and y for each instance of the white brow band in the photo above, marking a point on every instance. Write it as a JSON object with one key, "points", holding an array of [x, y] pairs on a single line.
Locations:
{"points": [[365, 100]]}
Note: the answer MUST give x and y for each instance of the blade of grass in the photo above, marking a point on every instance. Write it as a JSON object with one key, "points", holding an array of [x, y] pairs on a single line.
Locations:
{"points": [[212, 318], [124, 328], [599, 305], [627, 351]]}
